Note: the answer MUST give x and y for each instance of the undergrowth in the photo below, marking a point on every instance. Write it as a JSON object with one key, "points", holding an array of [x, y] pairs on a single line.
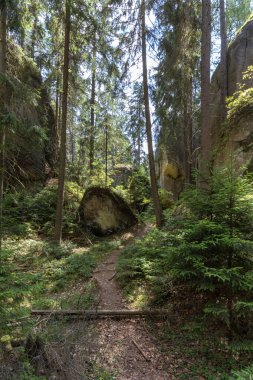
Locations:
{"points": [[27, 213], [44, 276], [200, 264]]}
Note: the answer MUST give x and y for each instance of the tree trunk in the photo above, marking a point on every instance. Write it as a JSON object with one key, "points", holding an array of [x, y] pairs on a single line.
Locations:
{"points": [[154, 188], [105, 313], [58, 101], [92, 108], [34, 34], [62, 163], [3, 43], [106, 153], [224, 69], [139, 137], [206, 143], [188, 126]]}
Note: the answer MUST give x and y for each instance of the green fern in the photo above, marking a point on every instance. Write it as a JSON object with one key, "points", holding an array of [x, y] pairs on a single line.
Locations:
{"points": [[244, 374]]}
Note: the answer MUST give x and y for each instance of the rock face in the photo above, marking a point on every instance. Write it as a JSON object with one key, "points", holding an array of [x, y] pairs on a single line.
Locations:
{"points": [[169, 172], [228, 140], [121, 175], [103, 212], [31, 134], [234, 140]]}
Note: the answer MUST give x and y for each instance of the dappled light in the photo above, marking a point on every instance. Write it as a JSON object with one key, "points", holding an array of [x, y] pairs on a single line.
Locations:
{"points": [[126, 190]]}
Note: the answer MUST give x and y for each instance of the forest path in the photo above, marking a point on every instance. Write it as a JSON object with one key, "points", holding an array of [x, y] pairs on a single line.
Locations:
{"points": [[125, 347]]}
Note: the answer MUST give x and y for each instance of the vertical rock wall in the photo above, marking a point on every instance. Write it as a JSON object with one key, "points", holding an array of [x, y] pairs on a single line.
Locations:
{"points": [[228, 141]]}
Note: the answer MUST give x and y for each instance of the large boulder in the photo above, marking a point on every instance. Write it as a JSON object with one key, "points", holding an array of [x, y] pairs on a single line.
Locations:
{"points": [[104, 212], [234, 140], [31, 130]]}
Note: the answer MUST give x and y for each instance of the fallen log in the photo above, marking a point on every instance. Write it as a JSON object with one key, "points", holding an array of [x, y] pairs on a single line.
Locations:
{"points": [[102, 313]]}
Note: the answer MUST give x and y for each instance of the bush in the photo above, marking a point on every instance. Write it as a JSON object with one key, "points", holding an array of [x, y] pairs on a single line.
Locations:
{"points": [[208, 251], [13, 289], [26, 213], [217, 252], [139, 189]]}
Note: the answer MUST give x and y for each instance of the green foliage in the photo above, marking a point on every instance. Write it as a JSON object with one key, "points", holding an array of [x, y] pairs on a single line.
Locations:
{"points": [[209, 250], [240, 103], [13, 288], [244, 374], [143, 264], [27, 212], [238, 12], [217, 252], [166, 198], [139, 189], [34, 272]]}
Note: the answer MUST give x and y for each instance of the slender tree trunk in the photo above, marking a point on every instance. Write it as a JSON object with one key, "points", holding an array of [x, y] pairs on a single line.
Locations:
{"points": [[59, 123], [224, 69], [106, 153], [188, 125], [3, 44], [206, 142], [62, 163], [139, 137], [34, 35], [58, 102], [139, 147], [154, 188], [92, 108]]}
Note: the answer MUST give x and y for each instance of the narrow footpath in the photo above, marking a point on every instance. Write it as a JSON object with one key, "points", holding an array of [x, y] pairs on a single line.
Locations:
{"points": [[106, 349], [125, 347]]}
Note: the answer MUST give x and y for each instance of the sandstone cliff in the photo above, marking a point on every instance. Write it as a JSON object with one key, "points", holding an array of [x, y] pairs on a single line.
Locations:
{"points": [[234, 139], [230, 139], [30, 122]]}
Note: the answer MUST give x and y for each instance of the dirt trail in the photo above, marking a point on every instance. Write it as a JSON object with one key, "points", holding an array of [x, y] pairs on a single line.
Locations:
{"points": [[125, 347]]}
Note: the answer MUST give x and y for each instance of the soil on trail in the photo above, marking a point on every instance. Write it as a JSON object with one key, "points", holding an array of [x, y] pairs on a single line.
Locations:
{"points": [[125, 347]]}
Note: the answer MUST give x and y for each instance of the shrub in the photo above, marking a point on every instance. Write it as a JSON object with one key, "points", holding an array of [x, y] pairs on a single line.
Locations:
{"points": [[216, 254], [26, 213], [140, 190]]}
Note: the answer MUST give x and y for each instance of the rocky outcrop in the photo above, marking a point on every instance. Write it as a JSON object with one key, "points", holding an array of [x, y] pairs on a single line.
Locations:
{"points": [[169, 172], [30, 140], [103, 212], [234, 140], [229, 139], [121, 175]]}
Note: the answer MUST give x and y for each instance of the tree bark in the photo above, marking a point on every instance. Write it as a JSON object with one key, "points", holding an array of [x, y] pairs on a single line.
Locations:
{"points": [[62, 163], [104, 313], [154, 188], [3, 45], [106, 152], [224, 69], [206, 138], [92, 108], [58, 100]]}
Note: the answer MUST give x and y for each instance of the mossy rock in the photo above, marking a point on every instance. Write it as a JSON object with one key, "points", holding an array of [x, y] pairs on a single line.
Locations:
{"points": [[104, 212]]}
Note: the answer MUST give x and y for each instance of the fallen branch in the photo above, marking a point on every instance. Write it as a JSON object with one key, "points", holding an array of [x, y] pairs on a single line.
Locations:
{"points": [[111, 278], [103, 270], [102, 313], [140, 350]]}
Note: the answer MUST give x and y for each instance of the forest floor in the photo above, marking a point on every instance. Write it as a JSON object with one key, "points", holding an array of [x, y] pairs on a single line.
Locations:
{"points": [[106, 349], [67, 348]]}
